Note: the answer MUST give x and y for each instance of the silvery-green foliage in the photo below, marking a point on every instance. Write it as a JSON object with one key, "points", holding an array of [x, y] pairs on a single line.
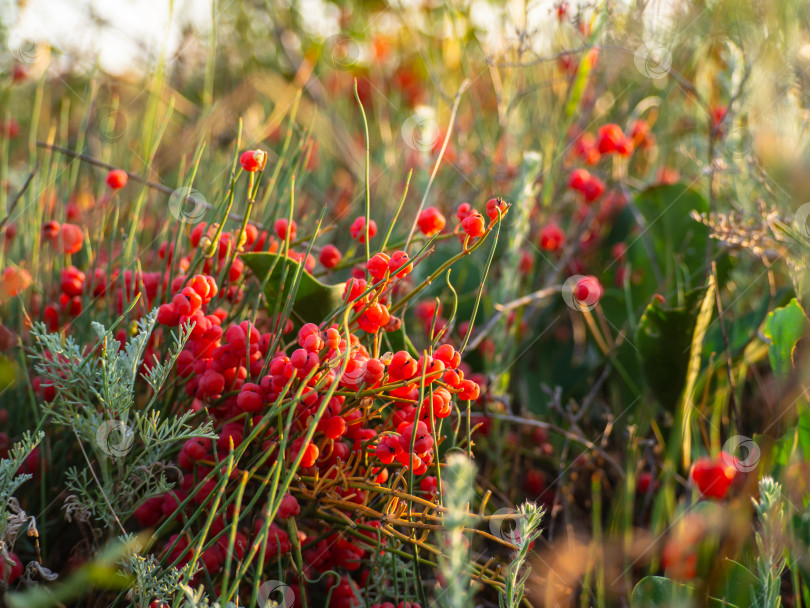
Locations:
{"points": [[527, 529], [152, 581], [771, 550], [125, 447], [459, 482], [9, 480]]}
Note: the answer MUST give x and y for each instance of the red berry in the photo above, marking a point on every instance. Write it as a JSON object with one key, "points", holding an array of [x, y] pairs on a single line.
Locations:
{"points": [[493, 206], [51, 230], [551, 238], [399, 265], [430, 221], [11, 572], [473, 225], [330, 256], [281, 226], [253, 160], [463, 211], [70, 239], [251, 397], [377, 266], [713, 477], [358, 229], [117, 179], [469, 390], [289, 507], [613, 140]]}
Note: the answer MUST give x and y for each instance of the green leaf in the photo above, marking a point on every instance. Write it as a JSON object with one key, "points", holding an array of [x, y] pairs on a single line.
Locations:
{"points": [[673, 235], [784, 327], [655, 591], [663, 339], [314, 301], [733, 585]]}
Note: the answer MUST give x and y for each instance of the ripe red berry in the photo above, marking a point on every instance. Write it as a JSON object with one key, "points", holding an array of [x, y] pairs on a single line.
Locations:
{"points": [[11, 572], [378, 265], [551, 238], [430, 221], [358, 229], [253, 160], [117, 179], [281, 229], [14, 281], [590, 186], [310, 453], [469, 390], [399, 265], [613, 140], [713, 478], [463, 211], [51, 230], [289, 507], [493, 206], [473, 225], [69, 240], [374, 317], [330, 256], [588, 291], [251, 397]]}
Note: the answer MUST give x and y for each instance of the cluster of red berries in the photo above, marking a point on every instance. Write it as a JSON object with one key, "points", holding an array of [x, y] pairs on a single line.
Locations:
{"points": [[588, 185], [64, 238], [234, 372]]}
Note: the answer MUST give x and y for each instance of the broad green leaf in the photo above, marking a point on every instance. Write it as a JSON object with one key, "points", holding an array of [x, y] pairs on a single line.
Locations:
{"points": [[314, 301], [669, 230], [733, 586], [784, 327], [663, 339], [659, 591]]}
